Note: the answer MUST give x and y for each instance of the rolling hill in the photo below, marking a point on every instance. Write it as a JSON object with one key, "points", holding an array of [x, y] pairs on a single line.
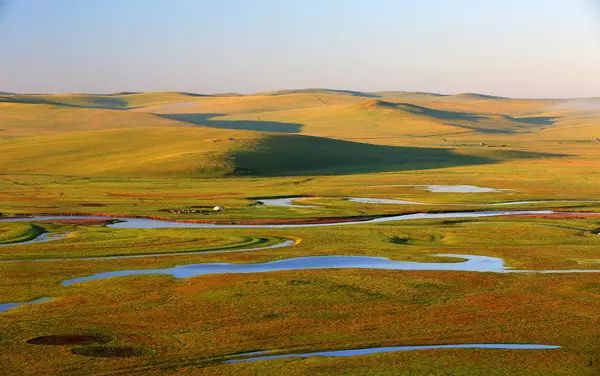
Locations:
{"points": [[205, 152], [380, 121], [107, 101], [26, 119], [296, 132]]}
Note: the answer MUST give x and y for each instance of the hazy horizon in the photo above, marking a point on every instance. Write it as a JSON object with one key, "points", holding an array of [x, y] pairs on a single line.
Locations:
{"points": [[126, 92], [533, 49]]}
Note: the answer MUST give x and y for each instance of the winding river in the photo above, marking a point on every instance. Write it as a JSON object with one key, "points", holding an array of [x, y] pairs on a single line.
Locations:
{"points": [[41, 238], [384, 201], [470, 263], [267, 355], [136, 223], [287, 202], [7, 306]]}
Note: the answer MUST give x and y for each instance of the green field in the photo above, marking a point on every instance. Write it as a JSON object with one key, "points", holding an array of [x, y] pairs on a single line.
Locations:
{"points": [[176, 156]]}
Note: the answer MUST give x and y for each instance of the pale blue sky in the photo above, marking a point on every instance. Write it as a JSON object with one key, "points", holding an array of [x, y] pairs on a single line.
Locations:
{"points": [[525, 48]]}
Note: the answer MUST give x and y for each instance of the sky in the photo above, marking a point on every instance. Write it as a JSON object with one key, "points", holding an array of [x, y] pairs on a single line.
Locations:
{"points": [[517, 48]]}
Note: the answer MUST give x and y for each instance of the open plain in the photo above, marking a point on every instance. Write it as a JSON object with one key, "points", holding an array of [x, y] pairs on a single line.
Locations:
{"points": [[288, 175]]}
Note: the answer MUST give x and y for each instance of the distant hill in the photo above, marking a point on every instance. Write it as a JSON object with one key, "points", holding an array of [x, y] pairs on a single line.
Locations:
{"points": [[27, 119], [121, 101], [372, 119], [353, 93], [225, 105], [290, 132], [477, 96]]}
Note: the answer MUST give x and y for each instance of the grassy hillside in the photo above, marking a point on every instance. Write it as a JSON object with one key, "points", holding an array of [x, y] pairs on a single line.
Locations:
{"points": [[189, 135], [69, 100], [282, 155], [375, 121], [108, 101], [470, 102], [206, 152], [29, 120], [197, 152], [185, 152], [240, 104]]}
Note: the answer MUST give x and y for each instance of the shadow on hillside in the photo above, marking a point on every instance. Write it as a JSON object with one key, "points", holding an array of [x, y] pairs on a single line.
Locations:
{"points": [[101, 102], [441, 114], [355, 93], [537, 120], [108, 102], [247, 125], [467, 120], [451, 117], [289, 155]]}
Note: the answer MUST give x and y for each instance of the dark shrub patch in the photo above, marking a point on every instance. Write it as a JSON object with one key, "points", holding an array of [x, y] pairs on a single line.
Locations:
{"points": [[69, 339]]}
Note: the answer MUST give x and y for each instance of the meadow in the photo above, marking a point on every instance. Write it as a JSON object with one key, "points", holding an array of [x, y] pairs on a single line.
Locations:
{"points": [[178, 155]]}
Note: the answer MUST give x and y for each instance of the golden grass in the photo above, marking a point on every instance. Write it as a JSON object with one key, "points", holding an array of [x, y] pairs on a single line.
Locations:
{"points": [[125, 152]]}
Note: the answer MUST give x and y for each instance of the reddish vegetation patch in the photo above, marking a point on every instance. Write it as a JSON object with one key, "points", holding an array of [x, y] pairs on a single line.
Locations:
{"points": [[108, 351], [561, 215], [68, 339], [93, 204]]}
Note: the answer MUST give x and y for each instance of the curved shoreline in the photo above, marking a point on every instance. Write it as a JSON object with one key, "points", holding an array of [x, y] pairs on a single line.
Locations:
{"points": [[470, 263], [8, 306], [282, 244], [44, 237], [284, 202], [143, 222], [257, 356]]}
